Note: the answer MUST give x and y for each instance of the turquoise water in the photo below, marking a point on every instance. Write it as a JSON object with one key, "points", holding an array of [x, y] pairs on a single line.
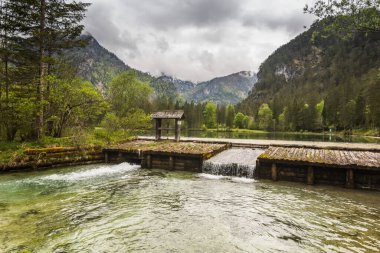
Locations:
{"points": [[122, 208]]}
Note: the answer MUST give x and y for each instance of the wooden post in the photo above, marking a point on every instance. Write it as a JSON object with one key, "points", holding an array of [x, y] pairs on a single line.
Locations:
{"points": [[158, 129], [148, 161], [310, 175], [177, 130], [256, 171], [106, 158], [274, 172], [350, 178], [171, 163]]}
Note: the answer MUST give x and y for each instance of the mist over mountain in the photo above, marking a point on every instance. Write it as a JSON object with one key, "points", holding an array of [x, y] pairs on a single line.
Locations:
{"points": [[98, 65]]}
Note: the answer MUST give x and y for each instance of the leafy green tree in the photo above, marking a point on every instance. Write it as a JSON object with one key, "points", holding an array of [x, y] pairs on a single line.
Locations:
{"points": [[210, 115], [319, 118], [73, 102], [373, 110], [241, 121], [136, 119], [32, 33], [18, 115], [349, 16], [111, 124], [283, 119], [230, 116], [126, 93], [347, 115], [265, 116]]}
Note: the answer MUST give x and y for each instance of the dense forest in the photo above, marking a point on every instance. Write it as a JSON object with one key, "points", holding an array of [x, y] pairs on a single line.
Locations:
{"points": [[325, 78], [322, 79]]}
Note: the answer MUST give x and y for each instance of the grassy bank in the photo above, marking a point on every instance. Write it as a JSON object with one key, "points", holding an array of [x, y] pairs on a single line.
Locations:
{"points": [[12, 151]]}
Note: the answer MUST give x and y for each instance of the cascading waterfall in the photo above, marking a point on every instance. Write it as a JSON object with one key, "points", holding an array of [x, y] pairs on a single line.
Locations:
{"points": [[238, 162]]}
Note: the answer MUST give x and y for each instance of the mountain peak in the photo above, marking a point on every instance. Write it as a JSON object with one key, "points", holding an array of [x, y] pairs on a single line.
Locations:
{"points": [[99, 66]]}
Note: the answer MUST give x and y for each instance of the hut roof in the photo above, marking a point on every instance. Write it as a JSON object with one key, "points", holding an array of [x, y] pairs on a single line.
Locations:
{"points": [[173, 114]]}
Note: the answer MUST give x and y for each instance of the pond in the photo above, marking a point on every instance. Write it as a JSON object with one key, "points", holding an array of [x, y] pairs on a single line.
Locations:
{"points": [[122, 208], [271, 136]]}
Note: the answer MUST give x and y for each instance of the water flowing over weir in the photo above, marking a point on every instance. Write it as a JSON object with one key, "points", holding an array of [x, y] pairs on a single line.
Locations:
{"points": [[239, 162]]}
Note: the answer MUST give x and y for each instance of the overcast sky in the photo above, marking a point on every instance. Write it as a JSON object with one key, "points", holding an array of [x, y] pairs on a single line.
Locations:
{"points": [[195, 39]]}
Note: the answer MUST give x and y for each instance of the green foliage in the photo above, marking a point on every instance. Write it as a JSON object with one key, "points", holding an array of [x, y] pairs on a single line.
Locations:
{"points": [[230, 116], [111, 124], [126, 93], [283, 120], [265, 115], [373, 109], [73, 102], [348, 16], [325, 71], [136, 120], [347, 115], [210, 115], [32, 36], [241, 121]]}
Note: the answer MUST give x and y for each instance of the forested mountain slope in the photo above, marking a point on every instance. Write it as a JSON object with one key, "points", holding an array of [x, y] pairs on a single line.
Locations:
{"points": [[227, 89], [320, 66], [95, 63], [99, 66]]}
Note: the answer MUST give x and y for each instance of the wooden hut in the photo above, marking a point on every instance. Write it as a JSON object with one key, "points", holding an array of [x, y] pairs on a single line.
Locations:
{"points": [[176, 115]]}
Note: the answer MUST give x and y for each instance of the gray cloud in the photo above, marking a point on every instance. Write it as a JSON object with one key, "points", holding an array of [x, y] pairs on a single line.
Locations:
{"points": [[162, 45], [172, 14], [195, 39], [293, 23]]}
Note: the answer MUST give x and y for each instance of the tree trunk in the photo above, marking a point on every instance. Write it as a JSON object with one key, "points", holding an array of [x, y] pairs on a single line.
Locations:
{"points": [[48, 111], [6, 77], [41, 83]]}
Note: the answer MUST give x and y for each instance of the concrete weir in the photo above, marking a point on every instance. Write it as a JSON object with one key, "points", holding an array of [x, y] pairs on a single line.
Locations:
{"points": [[187, 156], [238, 162], [349, 168], [352, 166]]}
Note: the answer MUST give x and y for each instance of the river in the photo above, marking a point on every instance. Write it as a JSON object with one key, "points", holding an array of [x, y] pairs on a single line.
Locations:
{"points": [[270, 136], [122, 208]]}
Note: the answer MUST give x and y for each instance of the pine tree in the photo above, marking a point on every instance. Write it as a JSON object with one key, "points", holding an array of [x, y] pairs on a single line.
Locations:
{"points": [[230, 116]]}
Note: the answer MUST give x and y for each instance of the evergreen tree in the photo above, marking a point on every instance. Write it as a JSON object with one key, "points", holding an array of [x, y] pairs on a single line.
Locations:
{"points": [[221, 114], [230, 116], [31, 31]]}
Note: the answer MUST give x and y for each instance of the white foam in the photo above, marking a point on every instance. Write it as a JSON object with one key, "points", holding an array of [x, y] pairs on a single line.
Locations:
{"points": [[220, 177], [104, 170], [213, 177], [243, 180]]}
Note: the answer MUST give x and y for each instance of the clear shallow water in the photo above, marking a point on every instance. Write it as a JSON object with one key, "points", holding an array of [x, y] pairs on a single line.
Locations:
{"points": [[121, 208]]}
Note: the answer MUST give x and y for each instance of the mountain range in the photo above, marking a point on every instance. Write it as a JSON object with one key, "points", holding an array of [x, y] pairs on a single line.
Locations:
{"points": [[98, 65]]}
